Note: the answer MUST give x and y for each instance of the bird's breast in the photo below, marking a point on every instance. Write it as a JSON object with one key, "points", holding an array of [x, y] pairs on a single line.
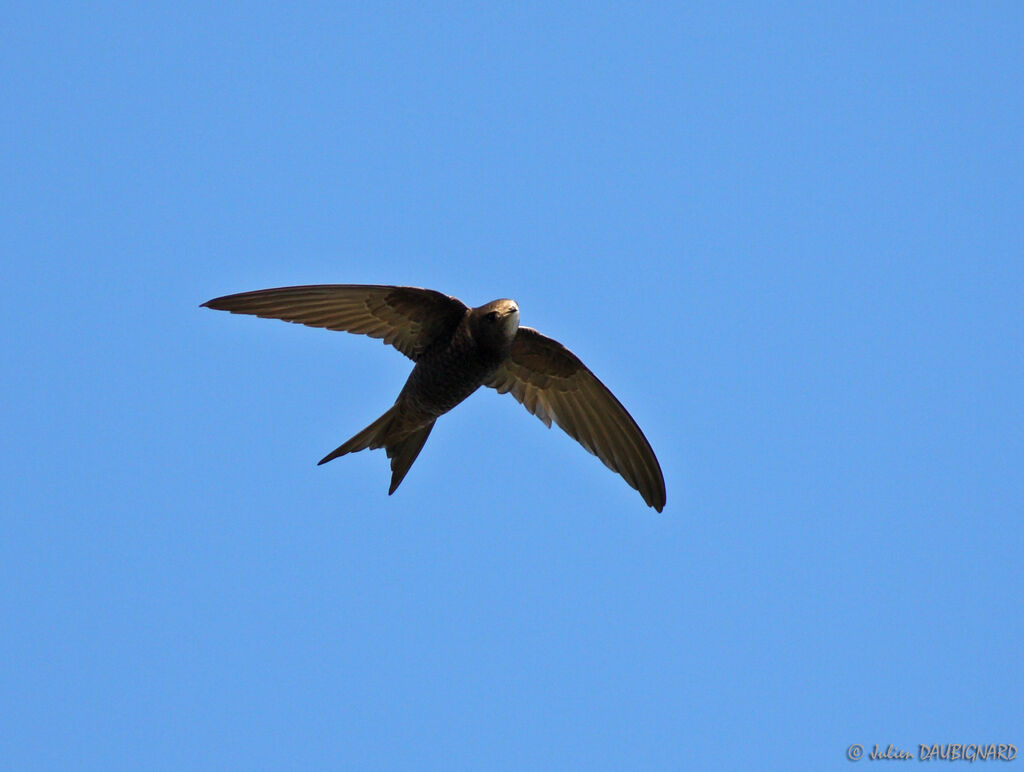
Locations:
{"points": [[442, 379]]}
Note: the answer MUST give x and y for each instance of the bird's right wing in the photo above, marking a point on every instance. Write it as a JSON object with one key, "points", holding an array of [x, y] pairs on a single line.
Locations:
{"points": [[408, 318], [553, 384]]}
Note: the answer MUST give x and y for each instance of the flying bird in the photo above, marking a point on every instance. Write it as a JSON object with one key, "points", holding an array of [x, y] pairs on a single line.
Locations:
{"points": [[458, 349]]}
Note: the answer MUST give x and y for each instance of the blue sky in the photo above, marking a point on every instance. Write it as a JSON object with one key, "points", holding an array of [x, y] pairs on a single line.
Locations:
{"points": [[788, 237]]}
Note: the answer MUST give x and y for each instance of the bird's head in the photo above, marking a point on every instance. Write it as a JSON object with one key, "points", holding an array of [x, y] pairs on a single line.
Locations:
{"points": [[495, 323]]}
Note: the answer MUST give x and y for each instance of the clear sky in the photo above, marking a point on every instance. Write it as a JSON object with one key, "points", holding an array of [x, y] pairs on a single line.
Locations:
{"points": [[789, 237]]}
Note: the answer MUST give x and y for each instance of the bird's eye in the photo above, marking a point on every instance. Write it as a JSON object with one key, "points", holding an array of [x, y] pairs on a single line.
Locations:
{"points": [[492, 316]]}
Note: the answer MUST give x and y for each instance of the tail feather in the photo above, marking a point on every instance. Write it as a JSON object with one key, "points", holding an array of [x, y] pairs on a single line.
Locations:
{"points": [[404, 452], [373, 437]]}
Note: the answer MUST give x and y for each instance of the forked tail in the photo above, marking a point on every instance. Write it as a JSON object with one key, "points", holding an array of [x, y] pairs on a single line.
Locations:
{"points": [[373, 436], [402, 450]]}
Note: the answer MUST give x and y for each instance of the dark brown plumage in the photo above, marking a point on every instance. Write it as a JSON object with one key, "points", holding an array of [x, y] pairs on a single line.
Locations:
{"points": [[457, 349]]}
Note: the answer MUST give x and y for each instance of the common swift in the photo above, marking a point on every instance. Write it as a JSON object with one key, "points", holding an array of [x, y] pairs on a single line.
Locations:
{"points": [[457, 349]]}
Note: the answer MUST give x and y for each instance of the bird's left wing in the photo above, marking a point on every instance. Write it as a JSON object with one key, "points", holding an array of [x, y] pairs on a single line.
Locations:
{"points": [[408, 318], [553, 384]]}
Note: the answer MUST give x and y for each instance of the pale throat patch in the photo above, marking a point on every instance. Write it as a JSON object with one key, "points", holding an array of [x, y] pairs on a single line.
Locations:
{"points": [[511, 321]]}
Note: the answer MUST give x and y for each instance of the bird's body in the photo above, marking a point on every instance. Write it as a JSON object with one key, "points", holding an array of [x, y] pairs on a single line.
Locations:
{"points": [[454, 365], [457, 365], [457, 349]]}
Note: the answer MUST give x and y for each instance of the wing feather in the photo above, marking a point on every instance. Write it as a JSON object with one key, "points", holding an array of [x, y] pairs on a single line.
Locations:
{"points": [[408, 318], [553, 384]]}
